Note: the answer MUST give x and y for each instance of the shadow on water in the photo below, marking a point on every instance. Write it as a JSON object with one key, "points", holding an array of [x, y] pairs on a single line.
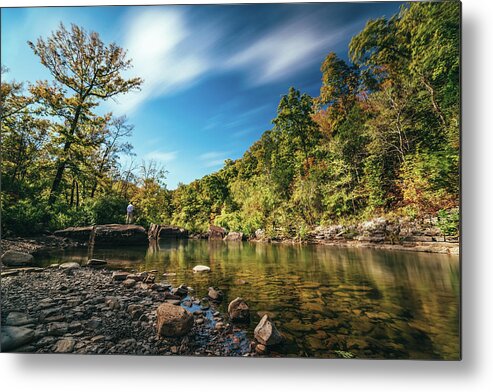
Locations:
{"points": [[326, 301]]}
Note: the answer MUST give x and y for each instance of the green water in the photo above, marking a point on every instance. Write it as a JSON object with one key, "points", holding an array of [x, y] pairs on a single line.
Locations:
{"points": [[326, 301]]}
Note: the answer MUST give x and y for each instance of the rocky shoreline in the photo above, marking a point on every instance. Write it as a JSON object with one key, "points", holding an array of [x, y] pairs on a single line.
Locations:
{"points": [[73, 309]]}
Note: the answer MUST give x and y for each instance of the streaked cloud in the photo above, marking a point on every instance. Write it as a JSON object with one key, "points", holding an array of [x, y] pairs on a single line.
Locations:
{"points": [[167, 53], [162, 156], [284, 51]]}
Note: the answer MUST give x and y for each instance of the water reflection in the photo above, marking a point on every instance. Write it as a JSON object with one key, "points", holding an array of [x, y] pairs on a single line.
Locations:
{"points": [[371, 303]]}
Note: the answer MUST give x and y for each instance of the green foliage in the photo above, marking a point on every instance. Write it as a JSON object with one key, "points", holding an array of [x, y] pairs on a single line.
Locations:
{"points": [[449, 221]]}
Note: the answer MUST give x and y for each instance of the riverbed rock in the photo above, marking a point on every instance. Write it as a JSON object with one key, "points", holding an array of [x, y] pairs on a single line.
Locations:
{"points": [[96, 263], [165, 231], [234, 236], [173, 321], [13, 337], [79, 234], [119, 275], [201, 268], [215, 295], [18, 319], [266, 332], [64, 346], [238, 310], [13, 258], [128, 283], [69, 266], [112, 234], [216, 232]]}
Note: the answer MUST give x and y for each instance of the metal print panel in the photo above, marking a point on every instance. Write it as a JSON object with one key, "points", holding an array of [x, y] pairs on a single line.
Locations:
{"points": [[256, 180]]}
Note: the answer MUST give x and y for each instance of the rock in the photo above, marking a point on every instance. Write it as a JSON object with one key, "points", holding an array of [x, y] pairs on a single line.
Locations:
{"points": [[57, 328], [266, 332], [119, 275], [216, 232], [259, 234], [201, 268], [17, 319], [215, 295], [260, 349], [12, 258], [9, 273], [180, 291], [13, 337], [234, 236], [96, 263], [115, 234], [64, 346], [238, 310], [174, 232], [128, 283], [69, 266], [173, 321], [79, 234], [112, 303]]}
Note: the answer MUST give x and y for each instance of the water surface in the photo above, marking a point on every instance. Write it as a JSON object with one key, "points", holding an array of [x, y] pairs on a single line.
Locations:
{"points": [[326, 301]]}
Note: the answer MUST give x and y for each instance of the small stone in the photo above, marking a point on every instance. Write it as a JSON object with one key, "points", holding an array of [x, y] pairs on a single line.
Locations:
{"points": [[69, 266], [238, 310], [215, 295], [129, 283], [119, 276], [173, 320], [64, 346], [260, 349], [57, 328], [96, 263], [201, 268]]}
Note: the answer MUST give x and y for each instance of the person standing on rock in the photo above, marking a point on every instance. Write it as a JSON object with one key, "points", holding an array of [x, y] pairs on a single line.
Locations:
{"points": [[130, 213]]}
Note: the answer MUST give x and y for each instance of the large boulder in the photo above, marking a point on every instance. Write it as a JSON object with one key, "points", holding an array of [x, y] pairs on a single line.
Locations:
{"points": [[216, 232], [266, 332], [173, 320], [12, 258], [161, 231], [120, 235], [234, 236], [15, 337], [79, 234], [113, 234], [238, 310]]}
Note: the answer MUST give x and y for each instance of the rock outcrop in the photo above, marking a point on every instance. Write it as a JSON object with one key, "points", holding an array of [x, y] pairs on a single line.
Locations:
{"points": [[113, 234], [173, 320]]}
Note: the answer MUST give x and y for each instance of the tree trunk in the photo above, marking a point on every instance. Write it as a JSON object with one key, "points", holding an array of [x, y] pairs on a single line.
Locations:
{"points": [[76, 194], [62, 163], [72, 193]]}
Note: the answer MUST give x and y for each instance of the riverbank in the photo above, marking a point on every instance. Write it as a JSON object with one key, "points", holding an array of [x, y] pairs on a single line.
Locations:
{"points": [[93, 311]]}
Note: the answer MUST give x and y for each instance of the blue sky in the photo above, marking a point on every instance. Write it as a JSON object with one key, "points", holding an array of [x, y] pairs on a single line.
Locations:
{"points": [[213, 74]]}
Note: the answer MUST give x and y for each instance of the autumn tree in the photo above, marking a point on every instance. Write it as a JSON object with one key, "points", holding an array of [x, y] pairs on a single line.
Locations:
{"points": [[85, 72]]}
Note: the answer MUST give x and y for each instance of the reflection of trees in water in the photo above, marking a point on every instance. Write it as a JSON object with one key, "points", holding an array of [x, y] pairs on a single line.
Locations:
{"points": [[371, 302]]}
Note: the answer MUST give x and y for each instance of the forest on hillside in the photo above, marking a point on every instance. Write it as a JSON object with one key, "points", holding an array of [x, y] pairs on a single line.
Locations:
{"points": [[382, 138]]}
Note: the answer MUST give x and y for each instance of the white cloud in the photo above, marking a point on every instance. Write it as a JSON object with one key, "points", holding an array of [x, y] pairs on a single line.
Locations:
{"points": [[162, 156], [164, 52], [285, 50]]}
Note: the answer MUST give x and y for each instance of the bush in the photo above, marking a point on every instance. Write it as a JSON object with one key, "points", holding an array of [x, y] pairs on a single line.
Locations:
{"points": [[449, 221]]}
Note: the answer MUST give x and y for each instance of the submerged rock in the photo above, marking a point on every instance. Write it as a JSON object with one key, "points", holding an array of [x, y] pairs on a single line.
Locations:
{"points": [[12, 258], [266, 332], [173, 321], [238, 310], [201, 268], [215, 295]]}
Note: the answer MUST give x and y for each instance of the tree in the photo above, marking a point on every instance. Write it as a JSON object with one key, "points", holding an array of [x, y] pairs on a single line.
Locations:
{"points": [[85, 71]]}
